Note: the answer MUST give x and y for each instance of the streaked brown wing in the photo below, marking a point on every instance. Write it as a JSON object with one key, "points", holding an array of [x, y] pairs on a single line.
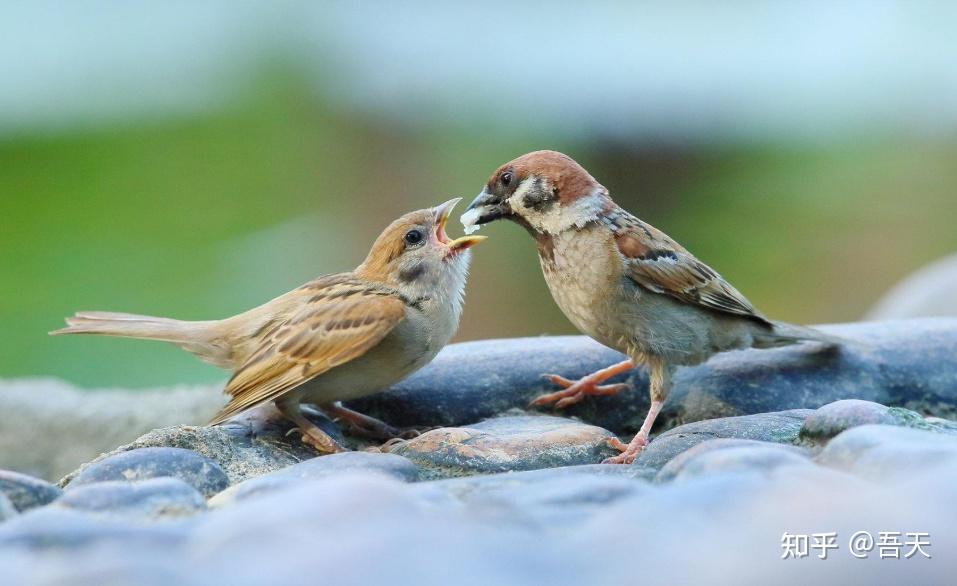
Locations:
{"points": [[659, 264], [336, 324]]}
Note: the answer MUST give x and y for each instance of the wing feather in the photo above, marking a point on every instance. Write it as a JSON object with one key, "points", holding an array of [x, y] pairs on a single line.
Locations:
{"points": [[335, 324], [658, 263]]}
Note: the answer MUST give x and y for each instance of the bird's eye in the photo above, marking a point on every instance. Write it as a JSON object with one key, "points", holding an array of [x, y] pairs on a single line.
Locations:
{"points": [[413, 237], [506, 178]]}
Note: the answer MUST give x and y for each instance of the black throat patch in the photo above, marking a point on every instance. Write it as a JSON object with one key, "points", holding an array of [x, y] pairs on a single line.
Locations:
{"points": [[537, 197]]}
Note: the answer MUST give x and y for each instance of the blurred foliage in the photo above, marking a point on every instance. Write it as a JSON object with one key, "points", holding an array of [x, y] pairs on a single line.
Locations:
{"points": [[205, 216]]}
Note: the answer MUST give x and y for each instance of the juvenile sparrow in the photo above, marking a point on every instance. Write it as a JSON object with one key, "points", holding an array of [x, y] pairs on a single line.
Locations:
{"points": [[338, 337], [622, 282]]}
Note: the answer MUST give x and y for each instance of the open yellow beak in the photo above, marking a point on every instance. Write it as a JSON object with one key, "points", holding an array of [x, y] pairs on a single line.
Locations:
{"points": [[442, 213]]}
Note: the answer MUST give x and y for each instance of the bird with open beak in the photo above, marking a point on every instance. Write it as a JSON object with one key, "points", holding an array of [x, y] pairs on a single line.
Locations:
{"points": [[338, 337], [623, 282]]}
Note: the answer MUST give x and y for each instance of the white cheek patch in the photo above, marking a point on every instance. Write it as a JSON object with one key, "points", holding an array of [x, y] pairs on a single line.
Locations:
{"points": [[558, 218], [469, 220]]}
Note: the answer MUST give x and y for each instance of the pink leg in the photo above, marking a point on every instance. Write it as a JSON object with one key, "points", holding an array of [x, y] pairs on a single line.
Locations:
{"points": [[659, 385], [628, 453], [575, 391]]}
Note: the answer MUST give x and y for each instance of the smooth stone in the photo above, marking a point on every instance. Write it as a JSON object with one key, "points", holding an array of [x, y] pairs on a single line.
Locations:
{"points": [[782, 427], [58, 528], [156, 497], [468, 487], [730, 455], [364, 528], [880, 452], [550, 496], [253, 444], [839, 416], [389, 465], [195, 469], [507, 444], [7, 510], [26, 492], [911, 363]]}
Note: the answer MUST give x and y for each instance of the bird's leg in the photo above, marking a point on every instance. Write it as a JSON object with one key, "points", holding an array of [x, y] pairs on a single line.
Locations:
{"points": [[575, 391], [361, 424], [660, 385], [312, 435]]}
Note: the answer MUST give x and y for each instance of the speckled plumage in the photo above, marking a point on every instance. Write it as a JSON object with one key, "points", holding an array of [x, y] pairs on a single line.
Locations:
{"points": [[338, 337], [621, 281]]}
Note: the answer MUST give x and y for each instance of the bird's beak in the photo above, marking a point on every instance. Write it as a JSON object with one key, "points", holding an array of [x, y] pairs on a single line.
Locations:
{"points": [[485, 208], [442, 213]]}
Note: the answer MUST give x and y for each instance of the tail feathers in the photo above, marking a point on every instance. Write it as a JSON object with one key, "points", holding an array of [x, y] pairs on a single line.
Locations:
{"points": [[127, 325], [193, 336], [785, 334]]}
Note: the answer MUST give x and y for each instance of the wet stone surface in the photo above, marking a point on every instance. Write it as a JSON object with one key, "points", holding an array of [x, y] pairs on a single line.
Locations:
{"points": [[782, 427], [507, 444], [388, 465], [144, 463], [25, 492], [153, 498], [839, 416], [722, 456], [248, 446]]}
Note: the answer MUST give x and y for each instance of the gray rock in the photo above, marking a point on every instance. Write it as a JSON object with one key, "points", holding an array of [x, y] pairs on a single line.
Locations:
{"points": [[550, 496], [156, 497], [731, 455], [556, 527], [42, 412], [143, 463], [26, 492], [389, 465], [469, 487], [882, 452], [781, 427], [7, 510], [834, 418], [61, 528], [910, 363], [507, 444], [253, 444]]}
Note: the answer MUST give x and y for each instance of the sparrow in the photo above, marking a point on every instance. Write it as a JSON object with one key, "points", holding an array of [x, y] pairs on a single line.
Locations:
{"points": [[338, 337], [622, 282]]}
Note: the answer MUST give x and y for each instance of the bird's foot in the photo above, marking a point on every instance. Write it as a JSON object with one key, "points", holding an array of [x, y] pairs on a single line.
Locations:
{"points": [[574, 391], [628, 451], [387, 446], [318, 440], [367, 427]]}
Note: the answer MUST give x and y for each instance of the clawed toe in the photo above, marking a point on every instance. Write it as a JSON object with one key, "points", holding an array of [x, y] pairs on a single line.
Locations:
{"points": [[617, 444], [628, 451], [322, 445], [574, 391], [559, 380], [619, 459]]}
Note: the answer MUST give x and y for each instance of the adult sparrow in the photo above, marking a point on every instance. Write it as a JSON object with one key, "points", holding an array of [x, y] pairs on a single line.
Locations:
{"points": [[338, 337], [622, 281]]}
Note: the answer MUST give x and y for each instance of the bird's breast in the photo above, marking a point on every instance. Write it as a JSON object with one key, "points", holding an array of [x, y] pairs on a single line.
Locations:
{"points": [[583, 272]]}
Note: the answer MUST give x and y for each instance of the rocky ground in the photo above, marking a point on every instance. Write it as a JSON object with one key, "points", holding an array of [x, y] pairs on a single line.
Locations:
{"points": [[754, 450]]}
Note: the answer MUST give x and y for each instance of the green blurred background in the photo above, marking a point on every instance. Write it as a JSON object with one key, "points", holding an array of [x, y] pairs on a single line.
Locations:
{"points": [[196, 159]]}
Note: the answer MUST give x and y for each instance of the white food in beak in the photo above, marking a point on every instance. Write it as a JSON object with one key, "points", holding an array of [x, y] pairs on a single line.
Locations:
{"points": [[469, 220]]}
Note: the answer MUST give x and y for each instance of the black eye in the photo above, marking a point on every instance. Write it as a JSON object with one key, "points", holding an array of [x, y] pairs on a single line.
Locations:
{"points": [[506, 178], [413, 237]]}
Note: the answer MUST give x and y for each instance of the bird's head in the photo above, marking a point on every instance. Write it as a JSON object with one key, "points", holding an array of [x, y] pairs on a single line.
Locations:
{"points": [[545, 191], [415, 255]]}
